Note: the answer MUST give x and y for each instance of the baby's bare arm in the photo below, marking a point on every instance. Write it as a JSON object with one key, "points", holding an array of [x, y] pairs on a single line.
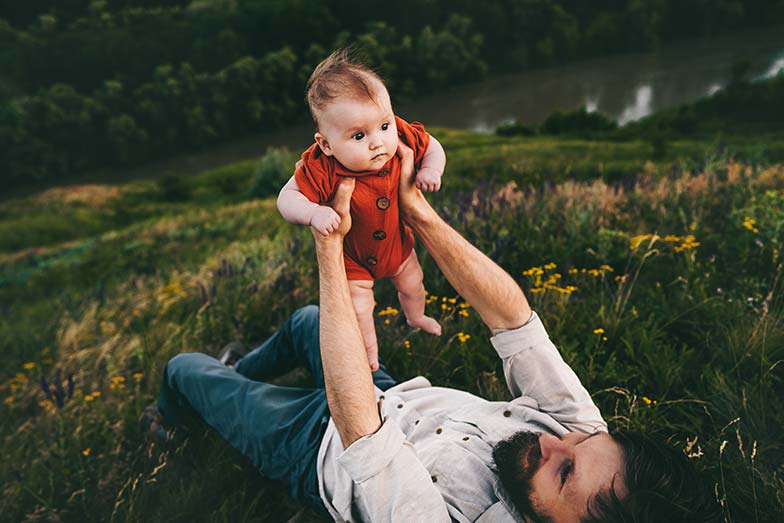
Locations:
{"points": [[428, 178], [296, 208]]}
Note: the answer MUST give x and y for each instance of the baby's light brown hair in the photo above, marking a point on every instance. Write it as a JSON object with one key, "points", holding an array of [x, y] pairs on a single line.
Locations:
{"points": [[340, 74]]}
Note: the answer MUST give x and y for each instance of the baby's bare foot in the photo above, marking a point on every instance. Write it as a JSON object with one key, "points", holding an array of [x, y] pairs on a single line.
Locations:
{"points": [[427, 324], [372, 354]]}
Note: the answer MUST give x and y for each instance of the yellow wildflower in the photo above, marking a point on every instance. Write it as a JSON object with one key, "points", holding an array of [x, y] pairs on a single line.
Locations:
{"points": [[549, 266], [463, 337], [137, 376], [9, 400], [30, 365], [95, 393], [646, 400], [573, 270], [86, 452], [463, 313], [749, 223], [606, 268], [88, 398], [452, 300], [598, 331], [407, 344], [386, 322]]}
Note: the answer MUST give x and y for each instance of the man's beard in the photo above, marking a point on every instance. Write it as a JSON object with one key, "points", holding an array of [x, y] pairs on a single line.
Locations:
{"points": [[516, 461]]}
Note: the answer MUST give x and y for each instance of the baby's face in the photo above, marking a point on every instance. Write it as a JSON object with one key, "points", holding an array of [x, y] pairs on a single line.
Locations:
{"points": [[360, 134]]}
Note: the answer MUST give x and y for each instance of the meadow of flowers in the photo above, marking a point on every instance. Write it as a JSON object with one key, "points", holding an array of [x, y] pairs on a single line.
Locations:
{"points": [[662, 290]]}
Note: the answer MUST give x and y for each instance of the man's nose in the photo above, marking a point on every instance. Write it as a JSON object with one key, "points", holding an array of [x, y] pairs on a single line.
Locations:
{"points": [[552, 446]]}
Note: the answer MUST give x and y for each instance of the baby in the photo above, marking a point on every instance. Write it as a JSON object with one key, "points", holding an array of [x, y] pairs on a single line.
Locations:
{"points": [[357, 136]]}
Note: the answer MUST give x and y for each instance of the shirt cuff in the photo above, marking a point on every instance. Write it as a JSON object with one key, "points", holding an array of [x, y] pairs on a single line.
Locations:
{"points": [[509, 342], [370, 454]]}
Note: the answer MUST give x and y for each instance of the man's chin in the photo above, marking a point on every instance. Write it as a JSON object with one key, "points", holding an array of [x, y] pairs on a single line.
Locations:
{"points": [[516, 461]]}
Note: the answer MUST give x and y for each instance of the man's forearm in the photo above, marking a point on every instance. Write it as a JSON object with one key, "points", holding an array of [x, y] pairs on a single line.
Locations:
{"points": [[347, 377], [486, 286]]}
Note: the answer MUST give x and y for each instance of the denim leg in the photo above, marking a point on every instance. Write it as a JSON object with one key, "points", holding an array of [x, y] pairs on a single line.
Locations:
{"points": [[278, 428], [293, 345]]}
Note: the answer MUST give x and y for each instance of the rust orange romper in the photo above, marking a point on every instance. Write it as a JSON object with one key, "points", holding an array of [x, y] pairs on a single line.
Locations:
{"points": [[378, 242]]}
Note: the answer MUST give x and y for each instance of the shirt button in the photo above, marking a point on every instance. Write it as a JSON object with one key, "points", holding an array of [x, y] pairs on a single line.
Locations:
{"points": [[416, 422], [465, 438], [379, 235], [507, 413], [433, 479], [382, 203], [371, 260], [400, 406], [439, 431]]}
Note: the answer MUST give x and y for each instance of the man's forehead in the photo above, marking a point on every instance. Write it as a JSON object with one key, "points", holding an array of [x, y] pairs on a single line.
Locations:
{"points": [[598, 467]]}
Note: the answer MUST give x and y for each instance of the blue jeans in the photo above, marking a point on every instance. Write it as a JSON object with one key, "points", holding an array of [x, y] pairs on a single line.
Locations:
{"points": [[278, 428]]}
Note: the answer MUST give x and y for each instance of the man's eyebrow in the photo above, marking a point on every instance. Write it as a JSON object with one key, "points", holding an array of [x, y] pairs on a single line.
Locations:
{"points": [[597, 433]]}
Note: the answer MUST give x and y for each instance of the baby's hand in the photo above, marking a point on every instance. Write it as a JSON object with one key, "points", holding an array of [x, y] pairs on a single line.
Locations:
{"points": [[428, 180], [325, 220]]}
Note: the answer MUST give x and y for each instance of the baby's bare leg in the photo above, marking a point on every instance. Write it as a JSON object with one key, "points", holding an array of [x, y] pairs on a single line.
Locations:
{"points": [[411, 293], [364, 303]]}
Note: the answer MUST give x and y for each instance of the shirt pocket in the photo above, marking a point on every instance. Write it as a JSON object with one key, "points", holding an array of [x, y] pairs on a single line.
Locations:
{"points": [[465, 482]]}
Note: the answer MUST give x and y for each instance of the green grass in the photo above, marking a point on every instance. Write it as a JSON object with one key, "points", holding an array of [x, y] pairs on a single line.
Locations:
{"points": [[679, 336]]}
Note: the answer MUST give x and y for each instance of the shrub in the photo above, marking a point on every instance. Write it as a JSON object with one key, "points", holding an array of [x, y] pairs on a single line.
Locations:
{"points": [[272, 172]]}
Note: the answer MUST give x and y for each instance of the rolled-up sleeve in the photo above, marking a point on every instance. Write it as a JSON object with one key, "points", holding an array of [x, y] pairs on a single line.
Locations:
{"points": [[533, 367], [391, 482]]}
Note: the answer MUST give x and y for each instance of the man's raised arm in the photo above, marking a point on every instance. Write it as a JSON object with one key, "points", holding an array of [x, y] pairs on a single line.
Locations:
{"points": [[486, 286], [347, 377]]}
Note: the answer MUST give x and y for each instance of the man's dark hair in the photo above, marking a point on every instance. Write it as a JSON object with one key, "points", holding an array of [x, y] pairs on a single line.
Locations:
{"points": [[662, 486]]}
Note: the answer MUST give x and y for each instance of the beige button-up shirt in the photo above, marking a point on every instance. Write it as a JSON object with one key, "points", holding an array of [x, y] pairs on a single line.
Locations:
{"points": [[431, 460]]}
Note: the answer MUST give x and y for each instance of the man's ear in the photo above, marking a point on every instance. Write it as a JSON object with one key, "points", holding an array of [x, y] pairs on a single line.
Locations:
{"points": [[323, 143]]}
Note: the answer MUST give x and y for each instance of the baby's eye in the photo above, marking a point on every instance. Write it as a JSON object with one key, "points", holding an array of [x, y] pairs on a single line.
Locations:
{"points": [[384, 126], [358, 136]]}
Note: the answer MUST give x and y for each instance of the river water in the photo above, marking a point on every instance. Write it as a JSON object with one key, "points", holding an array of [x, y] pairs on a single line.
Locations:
{"points": [[623, 87]]}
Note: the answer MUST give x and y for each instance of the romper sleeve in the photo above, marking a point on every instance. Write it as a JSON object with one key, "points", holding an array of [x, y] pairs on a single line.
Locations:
{"points": [[316, 176], [393, 484], [534, 368], [414, 135]]}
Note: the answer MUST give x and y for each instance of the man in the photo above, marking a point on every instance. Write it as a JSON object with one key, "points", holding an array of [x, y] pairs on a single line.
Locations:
{"points": [[363, 448]]}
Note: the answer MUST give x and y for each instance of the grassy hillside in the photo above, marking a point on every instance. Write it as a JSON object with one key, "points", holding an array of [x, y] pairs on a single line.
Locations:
{"points": [[659, 279]]}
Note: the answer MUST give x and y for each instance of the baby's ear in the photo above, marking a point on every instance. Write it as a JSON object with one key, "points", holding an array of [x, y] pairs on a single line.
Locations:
{"points": [[323, 144]]}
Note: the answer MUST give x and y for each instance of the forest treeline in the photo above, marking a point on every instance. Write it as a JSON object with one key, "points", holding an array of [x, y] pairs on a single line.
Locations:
{"points": [[88, 84]]}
